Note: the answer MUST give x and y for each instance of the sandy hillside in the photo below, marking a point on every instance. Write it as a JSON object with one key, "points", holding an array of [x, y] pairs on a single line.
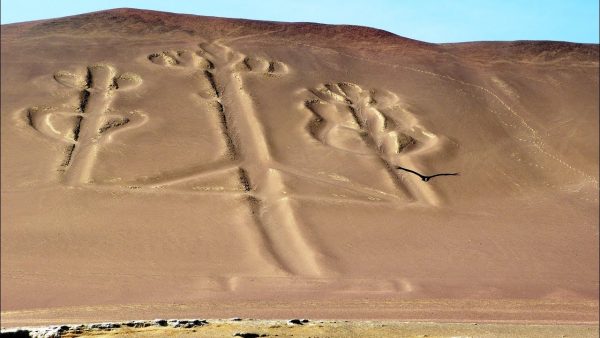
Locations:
{"points": [[158, 164]]}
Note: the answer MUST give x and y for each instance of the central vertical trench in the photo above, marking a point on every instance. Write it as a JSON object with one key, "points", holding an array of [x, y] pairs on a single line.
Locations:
{"points": [[271, 210], [94, 102]]}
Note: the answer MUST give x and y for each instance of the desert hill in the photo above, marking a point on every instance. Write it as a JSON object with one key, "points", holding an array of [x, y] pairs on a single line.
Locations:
{"points": [[160, 164]]}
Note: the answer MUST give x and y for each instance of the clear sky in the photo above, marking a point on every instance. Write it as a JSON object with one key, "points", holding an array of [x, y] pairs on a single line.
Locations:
{"points": [[426, 20]]}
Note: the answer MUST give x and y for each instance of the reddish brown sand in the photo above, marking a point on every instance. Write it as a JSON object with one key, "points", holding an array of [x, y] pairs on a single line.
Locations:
{"points": [[157, 164]]}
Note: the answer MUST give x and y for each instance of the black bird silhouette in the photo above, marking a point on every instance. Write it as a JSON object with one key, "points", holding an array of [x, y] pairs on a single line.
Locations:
{"points": [[425, 177]]}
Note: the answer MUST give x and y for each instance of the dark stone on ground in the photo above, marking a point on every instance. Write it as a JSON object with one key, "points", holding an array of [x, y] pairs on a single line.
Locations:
{"points": [[248, 335], [15, 334]]}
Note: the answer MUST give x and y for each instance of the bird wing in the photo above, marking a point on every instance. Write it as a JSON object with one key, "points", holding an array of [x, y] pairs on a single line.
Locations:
{"points": [[444, 174], [412, 171]]}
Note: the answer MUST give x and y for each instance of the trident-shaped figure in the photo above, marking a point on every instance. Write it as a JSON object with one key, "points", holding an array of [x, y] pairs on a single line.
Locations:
{"points": [[92, 124]]}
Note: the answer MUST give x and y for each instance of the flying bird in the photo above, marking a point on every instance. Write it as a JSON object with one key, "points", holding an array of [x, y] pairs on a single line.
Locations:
{"points": [[426, 178]]}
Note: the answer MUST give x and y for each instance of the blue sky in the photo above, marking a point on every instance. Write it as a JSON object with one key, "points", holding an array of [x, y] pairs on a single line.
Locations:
{"points": [[426, 20]]}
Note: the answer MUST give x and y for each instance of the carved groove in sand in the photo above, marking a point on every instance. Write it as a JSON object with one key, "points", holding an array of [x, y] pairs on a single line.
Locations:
{"points": [[92, 123], [219, 74], [359, 121]]}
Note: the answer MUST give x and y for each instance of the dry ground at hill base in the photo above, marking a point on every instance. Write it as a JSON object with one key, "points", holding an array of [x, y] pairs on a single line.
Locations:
{"points": [[373, 329], [342, 328]]}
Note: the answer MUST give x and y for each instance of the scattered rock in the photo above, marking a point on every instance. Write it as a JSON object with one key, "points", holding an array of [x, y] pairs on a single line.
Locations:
{"points": [[107, 326], [186, 324], [295, 322], [160, 322], [52, 332], [249, 335], [59, 331], [235, 319], [138, 324], [199, 322], [16, 334]]}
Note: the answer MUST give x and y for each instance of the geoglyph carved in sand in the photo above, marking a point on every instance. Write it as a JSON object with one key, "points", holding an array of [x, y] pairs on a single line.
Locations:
{"points": [[348, 118], [354, 119], [219, 74], [92, 124]]}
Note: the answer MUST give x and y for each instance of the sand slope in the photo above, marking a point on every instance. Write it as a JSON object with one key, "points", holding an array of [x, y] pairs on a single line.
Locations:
{"points": [[152, 158]]}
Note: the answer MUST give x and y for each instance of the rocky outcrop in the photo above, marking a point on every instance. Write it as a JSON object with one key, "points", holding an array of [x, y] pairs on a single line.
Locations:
{"points": [[60, 331]]}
